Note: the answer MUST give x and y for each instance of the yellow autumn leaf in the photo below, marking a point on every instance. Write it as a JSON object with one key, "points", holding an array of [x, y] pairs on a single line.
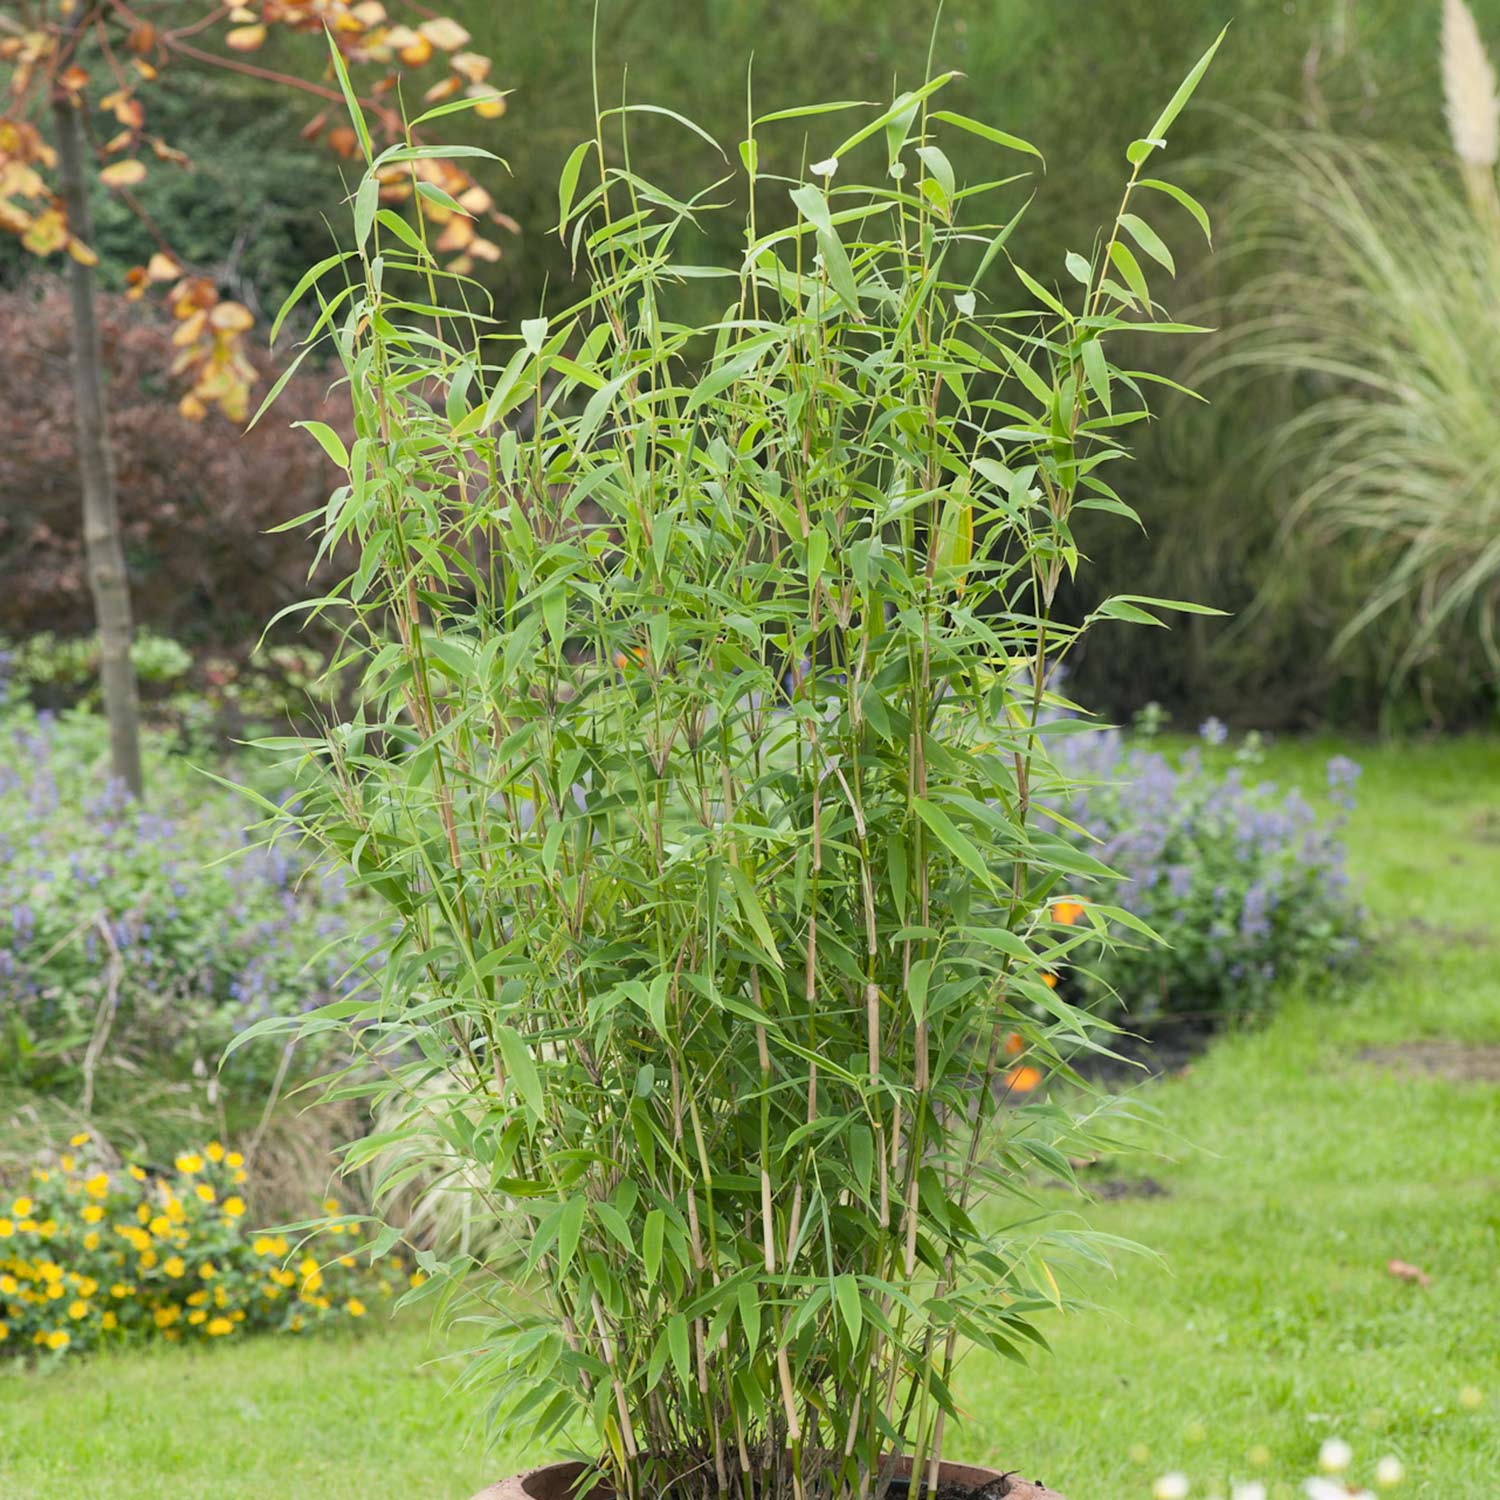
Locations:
{"points": [[232, 317], [491, 103], [46, 233], [245, 38], [472, 67], [444, 32], [81, 252], [123, 173]]}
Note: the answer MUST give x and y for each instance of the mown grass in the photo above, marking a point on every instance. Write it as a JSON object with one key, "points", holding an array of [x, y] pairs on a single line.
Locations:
{"points": [[1294, 1171]]}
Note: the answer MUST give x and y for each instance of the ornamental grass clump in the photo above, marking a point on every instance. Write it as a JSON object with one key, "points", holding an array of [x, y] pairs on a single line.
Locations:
{"points": [[701, 752]]}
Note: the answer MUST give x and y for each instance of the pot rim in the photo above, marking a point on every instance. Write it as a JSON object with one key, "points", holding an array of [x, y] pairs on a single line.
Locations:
{"points": [[555, 1481]]}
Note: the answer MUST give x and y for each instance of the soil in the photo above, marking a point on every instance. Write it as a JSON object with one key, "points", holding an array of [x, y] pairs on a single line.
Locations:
{"points": [[993, 1489], [1171, 1046], [1457, 1062]]}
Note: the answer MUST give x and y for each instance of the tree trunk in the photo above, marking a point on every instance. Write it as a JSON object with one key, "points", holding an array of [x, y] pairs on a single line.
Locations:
{"points": [[104, 555]]}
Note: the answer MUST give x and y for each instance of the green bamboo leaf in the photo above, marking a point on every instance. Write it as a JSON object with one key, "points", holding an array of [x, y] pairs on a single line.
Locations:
{"points": [[328, 440], [846, 1290], [951, 837], [651, 1244], [1184, 92], [755, 914], [567, 184], [1149, 241], [520, 1068]]}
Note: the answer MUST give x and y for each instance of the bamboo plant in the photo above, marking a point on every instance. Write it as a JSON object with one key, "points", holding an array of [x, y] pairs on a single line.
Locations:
{"points": [[702, 759]]}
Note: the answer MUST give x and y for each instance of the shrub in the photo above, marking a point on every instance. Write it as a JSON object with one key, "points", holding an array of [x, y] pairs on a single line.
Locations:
{"points": [[1242, 880], [91, 1254], [708, 808], [198, 501], [129, 932]]}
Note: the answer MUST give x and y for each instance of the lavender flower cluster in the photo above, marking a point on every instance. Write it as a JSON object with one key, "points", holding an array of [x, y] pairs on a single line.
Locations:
{"points": [[1244, 880], [160, 913]]}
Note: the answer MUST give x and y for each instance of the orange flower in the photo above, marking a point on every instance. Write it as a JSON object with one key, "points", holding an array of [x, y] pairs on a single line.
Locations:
{"points": [[1022, 1080], [1067, 912], [1014, 1044]]}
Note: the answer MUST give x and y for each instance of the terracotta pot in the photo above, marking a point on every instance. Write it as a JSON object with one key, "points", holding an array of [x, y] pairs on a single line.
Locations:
{"points": [[556, 1482]]}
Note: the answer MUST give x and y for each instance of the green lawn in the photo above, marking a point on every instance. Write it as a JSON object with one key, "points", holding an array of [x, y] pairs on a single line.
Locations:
{"points": [[1294, 1171]]}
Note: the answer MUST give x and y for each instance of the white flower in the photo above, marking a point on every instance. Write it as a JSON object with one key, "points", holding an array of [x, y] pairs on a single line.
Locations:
{"points": [[1335, 1456], [1252, 1490], [1173, 1486], [964, 302], [1389, 1472], [825, 168], [1324, 1489]]}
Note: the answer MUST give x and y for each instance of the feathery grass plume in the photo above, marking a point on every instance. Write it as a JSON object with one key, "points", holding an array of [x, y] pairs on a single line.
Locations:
{"points": [[1472, 107], [1379, 310]]}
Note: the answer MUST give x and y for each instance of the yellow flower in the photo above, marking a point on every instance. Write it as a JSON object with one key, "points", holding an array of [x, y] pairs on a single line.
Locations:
{"points": [[148, 1259], [189, 1162], [166, 1315], [119, 1289], [97, 1186], [109, 1320], [22, 1207], [196, 1316], [208, 1270], [49, 1271], [6, 1229], [56, 1291], [239, 1178], [159, 1226], [67, 1163], [78, 1309], [92, 1213], [197, 1299], [59, 1338], [81, 1139], [234, 1159], [417, 1278], [174, 1266], [47, 1228], [143, 1213], [330, 1205], [356, 1307], [91, 1240], [217, 1327], [26, 1226], [234, 1207], [214, 1151], [136, 1172], [87, 1286], [8, 1286], [263, 1245], [4, 1332], [205, 1192]]}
